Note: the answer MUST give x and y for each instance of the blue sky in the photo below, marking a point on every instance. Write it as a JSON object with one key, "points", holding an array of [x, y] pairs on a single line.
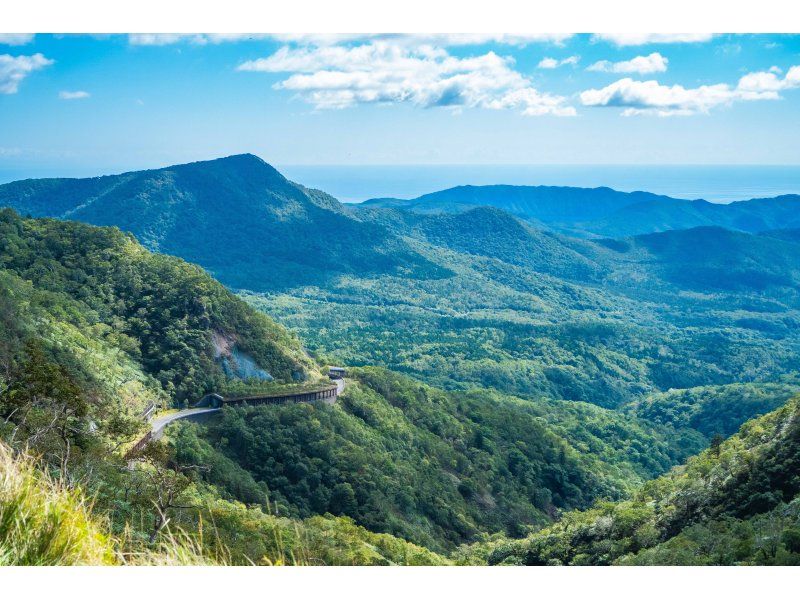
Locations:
{"points": [[80, 105]]}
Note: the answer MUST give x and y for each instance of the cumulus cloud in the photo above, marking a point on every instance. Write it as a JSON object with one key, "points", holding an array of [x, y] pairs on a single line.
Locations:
{"points": [[650, 97], [16, 39], [770, 81], [640, 39], [73, 95], [552, 63], [426, 76], [13, 69], [653, 63]]}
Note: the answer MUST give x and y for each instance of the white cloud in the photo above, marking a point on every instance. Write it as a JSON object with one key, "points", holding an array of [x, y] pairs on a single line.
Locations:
{"points": [[552, 63], [769, 81], [650, 97], [73, 95], [653, 63], [16, 39], [330, 39], [13, 69], [425, 76], [640, 39]]}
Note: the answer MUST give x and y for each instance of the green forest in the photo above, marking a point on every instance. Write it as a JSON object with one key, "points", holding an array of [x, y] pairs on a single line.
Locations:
{"points": [[514, 395]]}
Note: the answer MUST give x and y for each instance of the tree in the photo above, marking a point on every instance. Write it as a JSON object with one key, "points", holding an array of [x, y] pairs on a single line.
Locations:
{"points": [[162, 483]]}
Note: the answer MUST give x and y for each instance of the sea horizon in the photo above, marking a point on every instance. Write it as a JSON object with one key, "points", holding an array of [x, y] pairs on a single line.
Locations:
{"points": [[715, 183], [357, 183]]}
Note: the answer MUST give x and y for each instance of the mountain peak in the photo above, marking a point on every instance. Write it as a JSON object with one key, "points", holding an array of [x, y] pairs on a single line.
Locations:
{"points": [[239, 161]]}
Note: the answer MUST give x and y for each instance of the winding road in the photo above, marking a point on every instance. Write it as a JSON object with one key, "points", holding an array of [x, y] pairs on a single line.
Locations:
{"points": [[158, 424]]}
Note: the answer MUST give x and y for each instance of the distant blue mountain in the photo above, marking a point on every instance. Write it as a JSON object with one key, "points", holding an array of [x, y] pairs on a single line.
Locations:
{"points": [[604, 212]]}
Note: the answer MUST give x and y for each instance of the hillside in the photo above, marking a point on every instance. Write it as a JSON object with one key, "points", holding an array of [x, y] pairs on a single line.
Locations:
{"points": [[434, 468], [94, 299], [604, 212], [237, 217], [714, 258], [736, 503], [542, 204], [95, 328]]}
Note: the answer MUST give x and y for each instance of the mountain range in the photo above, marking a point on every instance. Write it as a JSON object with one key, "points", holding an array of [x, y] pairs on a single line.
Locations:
{"points": [[523, 385], [604, 212], [461, 296]]}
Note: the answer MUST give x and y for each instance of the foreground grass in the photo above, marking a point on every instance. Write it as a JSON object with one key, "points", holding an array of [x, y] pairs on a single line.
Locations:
{"points": [[44, 524]]}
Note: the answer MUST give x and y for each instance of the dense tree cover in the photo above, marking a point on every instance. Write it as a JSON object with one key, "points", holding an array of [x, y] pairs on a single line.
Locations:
{"points": [[158, 310], [463, 297], [93, 329], [714, 410], [500, 325], [734, 503], [237, 217], [432, 467]]}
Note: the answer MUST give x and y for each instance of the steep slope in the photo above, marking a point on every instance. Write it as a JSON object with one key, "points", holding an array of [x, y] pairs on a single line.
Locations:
{"points": [[432, 467], [98, 299], [237, 216], [736, 503]]}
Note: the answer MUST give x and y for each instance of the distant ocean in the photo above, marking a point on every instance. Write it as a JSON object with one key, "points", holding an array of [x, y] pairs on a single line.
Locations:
{"points": [[357, 183], [713, 183]]}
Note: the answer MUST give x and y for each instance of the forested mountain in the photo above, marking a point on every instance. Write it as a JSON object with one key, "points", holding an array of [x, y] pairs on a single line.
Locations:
{"points": [[736, 503], [96, 328], [125, 319], [504, 376], [604, 212], [435, 468], [472, 297], [238, 217]]}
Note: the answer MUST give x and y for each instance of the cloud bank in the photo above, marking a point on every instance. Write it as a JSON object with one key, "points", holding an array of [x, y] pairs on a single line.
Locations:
{"points": [[650, 97], [16, 39], [329, 39], [641, 39], [387, 73]]}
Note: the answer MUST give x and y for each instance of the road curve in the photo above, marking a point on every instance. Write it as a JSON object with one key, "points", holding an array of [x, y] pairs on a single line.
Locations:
{"points": [[159, 423]]}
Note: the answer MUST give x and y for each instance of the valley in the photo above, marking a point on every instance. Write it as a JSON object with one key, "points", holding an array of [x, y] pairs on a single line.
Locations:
{"points": [[535, 375]]}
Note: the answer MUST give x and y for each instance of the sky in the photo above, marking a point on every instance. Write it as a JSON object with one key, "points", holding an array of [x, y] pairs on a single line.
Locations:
{"points": [[78, 105]]}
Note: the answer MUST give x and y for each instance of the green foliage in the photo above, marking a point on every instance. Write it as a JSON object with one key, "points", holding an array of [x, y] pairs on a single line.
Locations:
{"points": [[432, 467], [157, 310], [44, 524], [237, 217], [735, 503], [714, 409]]}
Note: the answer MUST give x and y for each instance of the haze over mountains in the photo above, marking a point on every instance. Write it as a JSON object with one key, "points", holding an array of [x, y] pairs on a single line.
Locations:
{"points": [[250, 226], [605, 212]]}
